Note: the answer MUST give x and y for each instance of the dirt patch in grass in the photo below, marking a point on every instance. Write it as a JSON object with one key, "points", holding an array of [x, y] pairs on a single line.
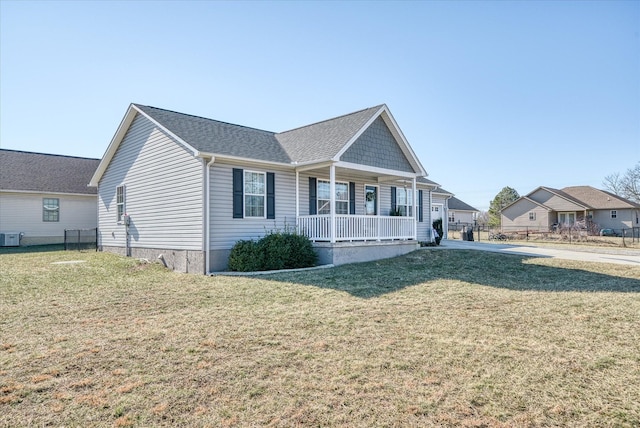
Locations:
{"points": [[437, 337]]}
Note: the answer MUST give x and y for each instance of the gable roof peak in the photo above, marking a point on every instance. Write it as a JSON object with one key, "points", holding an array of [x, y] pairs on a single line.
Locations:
{"points": [[378, 107]]}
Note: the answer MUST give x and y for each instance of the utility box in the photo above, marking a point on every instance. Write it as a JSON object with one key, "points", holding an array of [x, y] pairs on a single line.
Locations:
{"points": [[10, 239]]}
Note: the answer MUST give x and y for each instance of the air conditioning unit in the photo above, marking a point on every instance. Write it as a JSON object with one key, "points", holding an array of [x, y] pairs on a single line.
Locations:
{"points": [[10, 239]]}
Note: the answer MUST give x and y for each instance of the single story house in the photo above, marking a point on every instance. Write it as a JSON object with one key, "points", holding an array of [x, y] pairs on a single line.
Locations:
{"points": [[545, 207], [461, 213], [187, 188], [41, 195]]}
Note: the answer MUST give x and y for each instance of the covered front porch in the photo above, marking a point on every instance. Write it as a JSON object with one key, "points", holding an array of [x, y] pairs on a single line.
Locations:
{"points": [[350, 228], [356, 203]]}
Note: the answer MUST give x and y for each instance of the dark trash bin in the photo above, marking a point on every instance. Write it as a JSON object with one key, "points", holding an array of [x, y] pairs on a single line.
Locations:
{"points": [[470, 234]]}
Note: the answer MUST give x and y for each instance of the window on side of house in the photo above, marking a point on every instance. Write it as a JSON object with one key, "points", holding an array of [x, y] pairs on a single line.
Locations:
{"points": [[50, 209], [404, 201], [120, 203], [324, 197], [255, 193], [532, 216], [614, 214], [452, 217]]}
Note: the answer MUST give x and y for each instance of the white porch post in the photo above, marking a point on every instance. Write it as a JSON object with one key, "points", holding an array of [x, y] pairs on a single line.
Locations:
{"points": [[332, 200], [415, 210], [297, 198]]}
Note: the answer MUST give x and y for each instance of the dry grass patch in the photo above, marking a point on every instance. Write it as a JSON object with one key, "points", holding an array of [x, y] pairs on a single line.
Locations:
{"points": [[438, 337]]}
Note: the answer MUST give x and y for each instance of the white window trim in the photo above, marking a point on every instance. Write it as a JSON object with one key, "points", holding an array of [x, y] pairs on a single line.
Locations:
{"points": [[45, 209], [329, 200], [245, 194], [120, 219], [532, 216], [614, 214], [567, 214], [409, 205]]}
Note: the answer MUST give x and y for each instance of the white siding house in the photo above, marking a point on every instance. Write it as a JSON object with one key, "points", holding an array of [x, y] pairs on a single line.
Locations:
{"points": [[41, 195], [186, 188]]}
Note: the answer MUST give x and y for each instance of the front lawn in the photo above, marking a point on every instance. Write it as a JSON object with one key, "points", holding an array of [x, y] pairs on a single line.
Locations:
{"points": [[437, 337]]}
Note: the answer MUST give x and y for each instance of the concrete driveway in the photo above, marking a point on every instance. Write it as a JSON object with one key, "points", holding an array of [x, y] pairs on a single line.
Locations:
{"points": [[587, 254]]}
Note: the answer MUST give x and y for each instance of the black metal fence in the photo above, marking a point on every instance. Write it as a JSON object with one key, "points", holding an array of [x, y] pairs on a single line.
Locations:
{"points": [[481, 232], [81, 239]]}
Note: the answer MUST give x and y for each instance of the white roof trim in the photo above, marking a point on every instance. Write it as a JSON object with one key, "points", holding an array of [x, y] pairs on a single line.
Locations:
{"points": [[376, 170], [243, 159]]}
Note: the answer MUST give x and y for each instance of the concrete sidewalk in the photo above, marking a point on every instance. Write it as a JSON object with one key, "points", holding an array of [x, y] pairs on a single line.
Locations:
{"points": [[591, 254]]}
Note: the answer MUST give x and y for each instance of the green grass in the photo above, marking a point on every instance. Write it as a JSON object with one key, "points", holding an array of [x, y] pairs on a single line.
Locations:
{"points": [[437, 337]]}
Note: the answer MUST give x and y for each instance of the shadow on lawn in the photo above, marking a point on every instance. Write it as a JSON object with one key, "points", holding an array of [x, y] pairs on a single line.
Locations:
{"points": [[32, 249], [373, 279]]}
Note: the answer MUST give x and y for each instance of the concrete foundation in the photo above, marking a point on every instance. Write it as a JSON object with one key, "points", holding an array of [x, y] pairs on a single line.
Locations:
{"points": [[342, 253], [187, 261], [219, 260], [339, 253]]}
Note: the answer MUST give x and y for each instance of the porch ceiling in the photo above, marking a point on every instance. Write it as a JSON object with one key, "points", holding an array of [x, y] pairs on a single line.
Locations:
{"points": [[370, 176]]}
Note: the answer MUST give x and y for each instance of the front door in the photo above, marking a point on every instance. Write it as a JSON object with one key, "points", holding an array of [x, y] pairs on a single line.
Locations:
{"points": [[370, 200]]}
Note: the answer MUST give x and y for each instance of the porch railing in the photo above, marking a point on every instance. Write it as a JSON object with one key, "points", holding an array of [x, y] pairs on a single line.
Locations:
{"points": [[357, 227]]}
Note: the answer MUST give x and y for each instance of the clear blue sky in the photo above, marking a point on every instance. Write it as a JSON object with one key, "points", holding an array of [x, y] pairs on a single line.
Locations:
{"points": [[489, 94]]}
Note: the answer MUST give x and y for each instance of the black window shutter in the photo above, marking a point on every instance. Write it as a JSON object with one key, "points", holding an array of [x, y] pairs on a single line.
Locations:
{"points": [[420, 206], [393, 199], [313, 199], [352, 197], [238, 193], [271, 195]]}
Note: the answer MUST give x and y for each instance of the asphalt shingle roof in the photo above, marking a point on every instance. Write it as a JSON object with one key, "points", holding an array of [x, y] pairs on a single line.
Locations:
{"points": [[221, 138], [457, 204], [598, 199], [302, 143], [296, 145], [39, 172]]}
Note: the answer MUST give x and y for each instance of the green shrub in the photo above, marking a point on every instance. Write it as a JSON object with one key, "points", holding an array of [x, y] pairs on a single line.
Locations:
{"points": [[245, 257], [276, 250]]}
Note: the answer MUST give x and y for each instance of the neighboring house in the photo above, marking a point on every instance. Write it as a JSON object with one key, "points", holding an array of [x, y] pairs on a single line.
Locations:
{"points": [[188, 188], [461, 213], [545, 207], [41, 195]]}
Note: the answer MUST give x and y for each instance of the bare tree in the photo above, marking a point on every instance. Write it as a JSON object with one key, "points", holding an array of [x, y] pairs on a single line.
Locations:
{"points": [[626, 185]]}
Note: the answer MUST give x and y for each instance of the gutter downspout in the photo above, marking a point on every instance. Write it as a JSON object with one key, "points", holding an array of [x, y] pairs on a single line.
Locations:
{"points": [[433, 239], [207, 215]]}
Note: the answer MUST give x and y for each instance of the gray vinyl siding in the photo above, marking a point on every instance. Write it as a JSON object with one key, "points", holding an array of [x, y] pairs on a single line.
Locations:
{"points": [[164, 192], [424, 227], [377, 147], [553, 201], [384, 192], [624, 219], [225, 230], [516, 217]]}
